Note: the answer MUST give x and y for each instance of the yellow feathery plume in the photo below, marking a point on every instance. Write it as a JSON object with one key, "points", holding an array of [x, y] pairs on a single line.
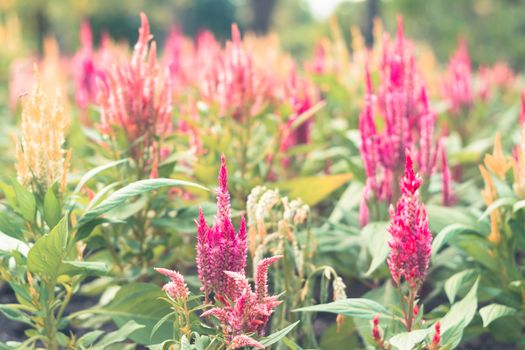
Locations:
{"points": [[41, 159], [489, 195], [497, 162]]}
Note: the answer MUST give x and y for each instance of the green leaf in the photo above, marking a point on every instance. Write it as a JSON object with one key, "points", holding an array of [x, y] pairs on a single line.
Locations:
{"points": [[25, 203], [140, 302], [454, 283], [275, 337], [375, 236], [52, 209], [354, 307], [501, 202], [122, 334], [120, 196], [89, 338], [459, 317], [313, 189], [93, 172], [448, 233], [11, 224], [408, 340], [49, 250], [492, 312], [15, 314], [92, 268]]}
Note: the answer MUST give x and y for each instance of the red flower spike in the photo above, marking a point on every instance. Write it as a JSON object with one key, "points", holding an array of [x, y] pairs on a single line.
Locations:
{"points": [[410, 239]]}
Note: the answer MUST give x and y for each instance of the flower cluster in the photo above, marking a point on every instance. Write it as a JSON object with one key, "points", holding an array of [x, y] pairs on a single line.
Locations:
{"points": [[245, 310], [176, 288], [86, 70], [458, 79], [136, 98], [219, 248], [41, 159], [408, 122], [410, 239]]}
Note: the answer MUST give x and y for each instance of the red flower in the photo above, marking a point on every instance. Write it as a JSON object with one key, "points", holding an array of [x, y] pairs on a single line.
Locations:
{"points": [[410, 235]]}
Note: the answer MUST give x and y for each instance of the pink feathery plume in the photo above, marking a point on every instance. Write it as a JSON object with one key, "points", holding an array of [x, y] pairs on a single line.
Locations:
{"points": [[241, 341], [458, 79], [522, 110], [219, 248], [427, 153], [244, 310], [86, 70], [446, 177], [176, 288], [410, 239], [137, 97], [364, 212]]}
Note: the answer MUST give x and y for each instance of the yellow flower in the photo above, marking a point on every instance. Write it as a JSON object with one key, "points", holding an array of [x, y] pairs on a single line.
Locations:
{"points": [[497, 162], [41, 159], [489, 195]]}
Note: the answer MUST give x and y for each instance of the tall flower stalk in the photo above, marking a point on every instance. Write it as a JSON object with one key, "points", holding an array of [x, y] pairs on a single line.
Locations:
{"points": [[136, 103], [410, 242], [42, 160]]}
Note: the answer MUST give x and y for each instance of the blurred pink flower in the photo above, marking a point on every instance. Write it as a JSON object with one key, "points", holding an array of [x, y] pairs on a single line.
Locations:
{"points": [[136, 98], [410, 239], [407, 122], [219, 248], [457, 86]]}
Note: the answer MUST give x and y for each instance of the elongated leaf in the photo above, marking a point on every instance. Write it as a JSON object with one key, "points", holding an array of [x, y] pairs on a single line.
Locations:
{"points": [[52, 209], [275, 337], [354, 307], [501, 202], [11, 224], [120, 335], [45, 257], [454, 283], [25, 202], [408, 340], [375, 236], [15, 314], [313, 189], [459, 317], [140, 302], [448, 233], [492, 312], [119, 197], [92, 268], [93, 172]]}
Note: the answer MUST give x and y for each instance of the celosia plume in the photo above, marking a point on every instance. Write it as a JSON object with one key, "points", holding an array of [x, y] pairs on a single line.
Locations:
{"points": [[245, 310], [41, 158], [458, 79], [219, 248], [407, 121], [436, 339], [176, 288], [137, 97], [522, 110], [410, 239]]}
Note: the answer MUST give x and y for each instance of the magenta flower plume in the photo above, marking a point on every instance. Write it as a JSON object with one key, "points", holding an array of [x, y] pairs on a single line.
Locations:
{"points": [[404, 121], [176, 288], [446, 177], [219, 248], [242, 341], [137, 97], [410, 239], [245, 310], [86, 70], [458, 79], [522, 111]]}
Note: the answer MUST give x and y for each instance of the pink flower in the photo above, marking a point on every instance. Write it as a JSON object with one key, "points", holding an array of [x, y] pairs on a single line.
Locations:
{"points": [[458, 80], [137, 97], [407, 120], [176, 288], [522, 111], [219, 248], [410, 239], [446, 177], [245, 310], [436, 339], [85, 69], [241, 341]]}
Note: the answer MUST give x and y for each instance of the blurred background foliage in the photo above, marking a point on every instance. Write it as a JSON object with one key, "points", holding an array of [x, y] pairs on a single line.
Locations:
{"points": [[492, 27]]}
